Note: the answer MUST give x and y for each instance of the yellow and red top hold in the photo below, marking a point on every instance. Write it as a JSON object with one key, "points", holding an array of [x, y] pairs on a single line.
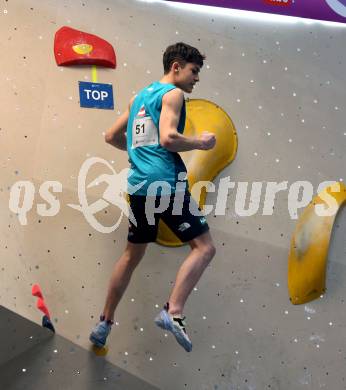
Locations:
{"points": [[74, 47]]}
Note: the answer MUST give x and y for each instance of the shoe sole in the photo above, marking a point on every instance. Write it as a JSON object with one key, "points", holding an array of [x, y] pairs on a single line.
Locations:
{"points": [[164, 322]]}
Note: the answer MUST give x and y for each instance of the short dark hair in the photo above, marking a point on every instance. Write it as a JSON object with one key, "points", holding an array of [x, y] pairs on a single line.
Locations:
{"points": [[183, 53]]}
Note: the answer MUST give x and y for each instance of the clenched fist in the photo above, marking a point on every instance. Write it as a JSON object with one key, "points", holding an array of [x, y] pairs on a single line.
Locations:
{"points": [[207, 140]]}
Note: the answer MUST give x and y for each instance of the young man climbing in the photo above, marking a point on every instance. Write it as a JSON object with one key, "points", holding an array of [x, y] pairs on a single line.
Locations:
{"points": [[151, 130]]}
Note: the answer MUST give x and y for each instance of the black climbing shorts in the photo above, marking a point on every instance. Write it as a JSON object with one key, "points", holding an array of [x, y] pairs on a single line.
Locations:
{"points": [[178, 211]]}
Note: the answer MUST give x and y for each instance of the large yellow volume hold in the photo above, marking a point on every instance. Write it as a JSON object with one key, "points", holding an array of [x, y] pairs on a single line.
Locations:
{"points": [[202, 115], [310, 243]]}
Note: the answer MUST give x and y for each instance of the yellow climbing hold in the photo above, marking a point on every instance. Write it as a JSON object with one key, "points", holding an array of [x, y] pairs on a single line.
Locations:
{"points": [[310, 243], [203, 115], [100, 351]]}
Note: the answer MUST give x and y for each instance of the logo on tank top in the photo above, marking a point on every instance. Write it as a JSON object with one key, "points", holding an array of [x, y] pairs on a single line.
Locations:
{"points": [[141, 113]]}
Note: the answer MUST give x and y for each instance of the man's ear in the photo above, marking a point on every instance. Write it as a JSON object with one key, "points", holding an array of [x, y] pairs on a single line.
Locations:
{"points": [[176, 67]]}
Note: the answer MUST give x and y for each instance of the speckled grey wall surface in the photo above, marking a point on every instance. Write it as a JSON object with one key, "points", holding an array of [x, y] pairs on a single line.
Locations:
{"points": [[283, 84]]}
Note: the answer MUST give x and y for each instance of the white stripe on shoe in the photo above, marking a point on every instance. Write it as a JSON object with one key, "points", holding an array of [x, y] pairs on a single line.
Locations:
{"points": [[175, 325]]}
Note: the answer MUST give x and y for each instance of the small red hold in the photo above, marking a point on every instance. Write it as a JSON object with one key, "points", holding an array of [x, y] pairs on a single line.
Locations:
{"points": [[36, 291], [42, 306], [74, 47]]}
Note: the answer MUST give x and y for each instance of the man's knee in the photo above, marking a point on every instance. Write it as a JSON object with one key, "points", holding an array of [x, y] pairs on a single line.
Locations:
{"points": [[211, 250], [134, 254], [207, 251]]}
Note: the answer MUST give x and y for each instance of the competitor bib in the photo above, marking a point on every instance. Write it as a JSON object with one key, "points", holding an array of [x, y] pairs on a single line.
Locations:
{"points": [[144, 132]]}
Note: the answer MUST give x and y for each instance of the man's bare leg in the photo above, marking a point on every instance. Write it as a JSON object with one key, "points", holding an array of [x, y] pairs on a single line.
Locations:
{"points": [[202, 251], [121, 276]]}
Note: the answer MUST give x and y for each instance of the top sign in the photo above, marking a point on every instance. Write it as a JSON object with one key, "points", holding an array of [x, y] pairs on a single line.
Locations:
{"points": [[328, 10], [96, 95]]}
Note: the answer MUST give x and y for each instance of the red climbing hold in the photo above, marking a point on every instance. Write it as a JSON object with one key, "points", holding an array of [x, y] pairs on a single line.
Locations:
{"points": [[42, 306], [36, 291], [74, 47]]}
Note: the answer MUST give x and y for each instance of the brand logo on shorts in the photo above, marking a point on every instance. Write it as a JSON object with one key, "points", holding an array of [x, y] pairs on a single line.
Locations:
{"points": [[131, 233], [203, 220], [184, 226]]}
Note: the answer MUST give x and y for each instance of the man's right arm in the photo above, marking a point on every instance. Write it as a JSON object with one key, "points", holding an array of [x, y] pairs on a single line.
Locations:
{"points": [[170, 138], [116, 135]]}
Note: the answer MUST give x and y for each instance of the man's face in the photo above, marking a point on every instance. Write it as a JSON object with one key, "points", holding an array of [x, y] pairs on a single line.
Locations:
{"points": [[187, 76]]}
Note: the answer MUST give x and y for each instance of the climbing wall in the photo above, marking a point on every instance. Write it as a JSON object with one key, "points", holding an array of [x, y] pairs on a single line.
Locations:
{"points": [[282, 82]]}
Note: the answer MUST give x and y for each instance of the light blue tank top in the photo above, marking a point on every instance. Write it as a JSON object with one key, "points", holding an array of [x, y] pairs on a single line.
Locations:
{"points": [[149, 161]]}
